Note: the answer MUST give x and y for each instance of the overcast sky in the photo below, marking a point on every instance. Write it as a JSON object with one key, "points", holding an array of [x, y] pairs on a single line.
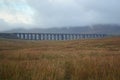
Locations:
{"points": [[57, 13]]}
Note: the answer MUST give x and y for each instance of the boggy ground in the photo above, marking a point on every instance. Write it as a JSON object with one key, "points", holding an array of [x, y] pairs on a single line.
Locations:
{"points": [[93, 59]]}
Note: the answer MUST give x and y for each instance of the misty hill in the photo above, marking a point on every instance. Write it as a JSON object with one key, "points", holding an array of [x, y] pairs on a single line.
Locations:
{"points": [[100, 28]]}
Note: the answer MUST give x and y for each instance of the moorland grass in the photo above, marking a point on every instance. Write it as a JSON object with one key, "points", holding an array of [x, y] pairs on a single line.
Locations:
{"points": [[94, 59]]}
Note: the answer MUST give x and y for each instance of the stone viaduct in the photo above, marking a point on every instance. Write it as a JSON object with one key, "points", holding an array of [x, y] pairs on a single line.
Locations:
{"points": [[55, 36], [50, 36]]}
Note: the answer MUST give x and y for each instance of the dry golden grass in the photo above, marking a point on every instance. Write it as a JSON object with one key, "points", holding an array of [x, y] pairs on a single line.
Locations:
{"points": [[94, 59]]}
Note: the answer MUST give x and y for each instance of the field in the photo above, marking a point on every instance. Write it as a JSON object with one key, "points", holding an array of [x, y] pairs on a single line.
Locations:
{"points": [[93, 59]]}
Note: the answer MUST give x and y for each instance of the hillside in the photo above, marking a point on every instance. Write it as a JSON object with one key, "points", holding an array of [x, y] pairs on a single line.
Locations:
{"points": [[100, 28]]}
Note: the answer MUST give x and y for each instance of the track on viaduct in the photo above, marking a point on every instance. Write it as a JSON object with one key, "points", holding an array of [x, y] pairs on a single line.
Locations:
{"points": [[50, 36]]}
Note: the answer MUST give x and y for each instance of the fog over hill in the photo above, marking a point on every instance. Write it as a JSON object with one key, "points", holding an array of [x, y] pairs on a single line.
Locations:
{"points": [[99, 28]]}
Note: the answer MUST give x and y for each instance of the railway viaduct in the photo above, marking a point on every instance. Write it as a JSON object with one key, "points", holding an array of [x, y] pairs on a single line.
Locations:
{"points": [[50, 36]]}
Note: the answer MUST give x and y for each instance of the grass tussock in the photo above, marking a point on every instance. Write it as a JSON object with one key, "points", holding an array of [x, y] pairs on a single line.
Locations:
{"points": [[95, 59]]}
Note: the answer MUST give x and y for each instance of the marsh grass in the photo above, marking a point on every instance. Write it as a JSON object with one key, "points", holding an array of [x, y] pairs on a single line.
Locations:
{"points": [[96, 59]]}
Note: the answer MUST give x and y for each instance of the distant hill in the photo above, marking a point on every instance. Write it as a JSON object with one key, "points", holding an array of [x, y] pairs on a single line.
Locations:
{"points": [[99, 28]]}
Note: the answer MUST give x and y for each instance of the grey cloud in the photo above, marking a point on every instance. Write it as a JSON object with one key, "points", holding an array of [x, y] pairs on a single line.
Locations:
{"points": [[5, 26], [84, 12], [74, 13]]}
